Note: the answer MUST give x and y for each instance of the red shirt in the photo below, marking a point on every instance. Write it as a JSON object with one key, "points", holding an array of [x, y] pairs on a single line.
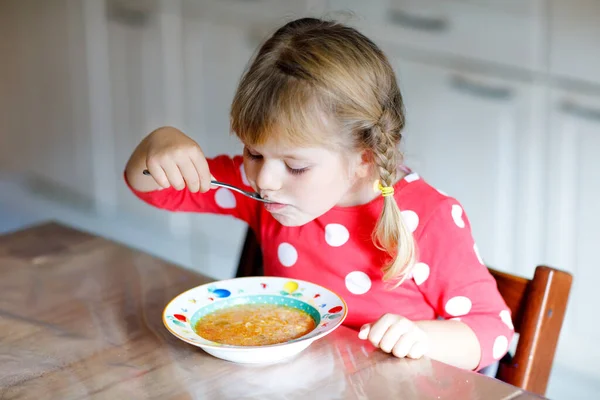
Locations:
{"points": [[336, 251]]}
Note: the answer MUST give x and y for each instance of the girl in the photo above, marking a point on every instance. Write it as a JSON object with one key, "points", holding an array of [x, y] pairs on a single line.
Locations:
{"points": [[320, 115]]}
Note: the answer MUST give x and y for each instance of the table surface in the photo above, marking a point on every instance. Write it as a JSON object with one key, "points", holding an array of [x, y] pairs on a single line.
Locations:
{"points": [[80, 317]]}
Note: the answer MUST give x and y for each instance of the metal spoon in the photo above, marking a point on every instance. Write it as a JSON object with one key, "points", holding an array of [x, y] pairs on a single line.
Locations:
{"points": [[252, 195]]}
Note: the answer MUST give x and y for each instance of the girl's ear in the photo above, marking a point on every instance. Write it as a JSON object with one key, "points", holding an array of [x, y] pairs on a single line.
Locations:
{"points": [[365, 164]]}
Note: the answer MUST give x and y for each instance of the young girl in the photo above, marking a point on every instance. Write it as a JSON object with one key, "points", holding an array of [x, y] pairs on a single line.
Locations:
{"points": [[320, 115]]}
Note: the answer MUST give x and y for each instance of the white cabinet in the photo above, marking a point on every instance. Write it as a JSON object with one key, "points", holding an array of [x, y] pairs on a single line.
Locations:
{"points": [[239, 11], [215, 56], [44, 108], [223, 52], [501, 32], [573, 213], [574, 34], [465, 135], [137, 95]]}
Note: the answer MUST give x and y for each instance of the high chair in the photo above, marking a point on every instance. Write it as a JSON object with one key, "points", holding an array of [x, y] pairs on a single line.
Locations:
{"points": [[538, 308]]}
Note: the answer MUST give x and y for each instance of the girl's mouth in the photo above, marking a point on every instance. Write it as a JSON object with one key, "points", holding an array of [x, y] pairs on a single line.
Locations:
{"points": [[273, 207]]}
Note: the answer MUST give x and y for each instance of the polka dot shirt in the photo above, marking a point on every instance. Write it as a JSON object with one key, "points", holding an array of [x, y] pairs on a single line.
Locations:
{"points": [[450, 280]]}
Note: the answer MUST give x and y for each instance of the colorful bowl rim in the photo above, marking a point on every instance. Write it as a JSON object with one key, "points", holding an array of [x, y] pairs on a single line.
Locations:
{"points": [[227, 347]]}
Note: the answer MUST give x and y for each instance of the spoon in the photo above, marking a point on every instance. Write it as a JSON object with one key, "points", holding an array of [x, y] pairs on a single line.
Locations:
{"points": [[252, 195]]}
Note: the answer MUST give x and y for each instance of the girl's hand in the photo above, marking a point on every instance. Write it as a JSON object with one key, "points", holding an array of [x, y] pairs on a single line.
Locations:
{"points": [[173, 159], [397, 335]]}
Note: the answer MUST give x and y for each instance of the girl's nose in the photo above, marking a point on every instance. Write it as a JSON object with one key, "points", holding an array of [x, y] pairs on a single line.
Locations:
{"points": [[268, 178]]}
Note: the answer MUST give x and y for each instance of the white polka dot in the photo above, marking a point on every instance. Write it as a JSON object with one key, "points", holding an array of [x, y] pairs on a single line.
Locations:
{"points": [[476, 249], [336, 235], [411, 177], [244, 177], [455, 319], [358, 282], [411, 219], [287, 254], [505, 317], [224, 198], [500, 347], [457, 216], [420, 273], [457, 306]]}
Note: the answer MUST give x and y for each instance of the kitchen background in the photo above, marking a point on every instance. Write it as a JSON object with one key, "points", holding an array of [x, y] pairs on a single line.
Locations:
{"points": [[503, 111]]}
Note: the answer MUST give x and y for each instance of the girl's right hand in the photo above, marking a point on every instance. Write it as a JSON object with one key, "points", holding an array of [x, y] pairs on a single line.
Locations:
{"points": [[173, 160]]}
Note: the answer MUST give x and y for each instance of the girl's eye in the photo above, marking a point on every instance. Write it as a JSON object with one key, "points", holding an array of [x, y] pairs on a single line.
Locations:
{"points": [[252, 156], [297, 171], [256, 157]]}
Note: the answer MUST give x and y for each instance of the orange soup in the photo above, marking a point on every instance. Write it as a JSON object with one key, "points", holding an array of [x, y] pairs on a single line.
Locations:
{"points": [[254, 325]]}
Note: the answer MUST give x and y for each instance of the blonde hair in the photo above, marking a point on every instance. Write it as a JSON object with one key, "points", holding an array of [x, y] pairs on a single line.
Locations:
{"points": [[310, 68]]}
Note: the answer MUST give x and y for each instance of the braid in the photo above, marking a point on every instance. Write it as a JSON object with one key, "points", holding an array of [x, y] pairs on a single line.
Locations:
{"points": [[385, 157], [391, 233]]}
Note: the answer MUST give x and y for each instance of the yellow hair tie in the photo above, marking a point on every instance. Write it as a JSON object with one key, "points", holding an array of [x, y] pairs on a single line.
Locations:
{"points": [[386, 190]]}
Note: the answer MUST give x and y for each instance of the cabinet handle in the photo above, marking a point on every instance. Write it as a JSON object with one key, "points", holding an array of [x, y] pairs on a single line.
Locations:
{"points": [[418, 22], [581, 111], [130, 13], [473, 88]]}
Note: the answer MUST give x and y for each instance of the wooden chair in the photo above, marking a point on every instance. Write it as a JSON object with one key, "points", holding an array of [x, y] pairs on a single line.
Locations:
{"points": [[251, 263], [538, 307]]}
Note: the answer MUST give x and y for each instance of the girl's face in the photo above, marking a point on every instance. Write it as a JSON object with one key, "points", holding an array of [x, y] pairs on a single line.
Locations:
{"points": [[306, 182]]}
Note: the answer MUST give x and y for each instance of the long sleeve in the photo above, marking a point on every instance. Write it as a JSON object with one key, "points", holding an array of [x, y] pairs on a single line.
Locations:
{"points": [[217, 201], [454, 280]]}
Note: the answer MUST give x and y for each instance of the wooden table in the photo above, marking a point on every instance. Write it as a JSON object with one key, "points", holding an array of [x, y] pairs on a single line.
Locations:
{"points": [[80, 317]]}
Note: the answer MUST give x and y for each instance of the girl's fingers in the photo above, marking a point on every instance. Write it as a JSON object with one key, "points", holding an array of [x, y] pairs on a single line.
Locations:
{"points": [[394, 334], [379, 328], [173, 174], [417, 351], [158, 174], [201, 165], [190, 175], [405, 343], [364, 331]]}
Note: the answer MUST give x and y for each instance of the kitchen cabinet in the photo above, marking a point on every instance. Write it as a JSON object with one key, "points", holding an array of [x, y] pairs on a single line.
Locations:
{"points": [[572, 214], [44, 103], [574, 29], [137, 97], [507, 33], [465, 135]]}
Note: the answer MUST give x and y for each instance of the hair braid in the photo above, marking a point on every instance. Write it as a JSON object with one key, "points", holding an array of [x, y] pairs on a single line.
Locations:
{"points": [[391, 233]]}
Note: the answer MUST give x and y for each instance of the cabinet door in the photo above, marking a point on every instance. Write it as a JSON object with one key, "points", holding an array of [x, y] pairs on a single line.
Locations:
{"points": [[223, 53], [137, 92], [215, 55], [574, 33], [473, 29], [243, 11], [46, 109], [573, 216], [465, 135]]}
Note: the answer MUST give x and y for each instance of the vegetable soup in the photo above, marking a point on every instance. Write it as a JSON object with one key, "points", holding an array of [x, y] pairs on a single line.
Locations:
{"points": [[254, 325]]}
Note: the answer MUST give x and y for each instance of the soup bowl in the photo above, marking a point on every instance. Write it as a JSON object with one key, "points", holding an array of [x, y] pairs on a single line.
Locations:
{"points": [[326, 308]]}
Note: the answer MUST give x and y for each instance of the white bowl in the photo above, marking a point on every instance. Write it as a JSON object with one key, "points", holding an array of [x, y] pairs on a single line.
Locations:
{"points": [[327, 308]]}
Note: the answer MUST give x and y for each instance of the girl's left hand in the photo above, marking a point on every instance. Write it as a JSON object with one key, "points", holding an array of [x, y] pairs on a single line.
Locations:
{"points": [[397, 335]]}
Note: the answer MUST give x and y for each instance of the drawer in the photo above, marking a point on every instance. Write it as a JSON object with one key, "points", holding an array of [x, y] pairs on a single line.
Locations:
{"points": [[574, 34], [233, 11], [502, 32]]}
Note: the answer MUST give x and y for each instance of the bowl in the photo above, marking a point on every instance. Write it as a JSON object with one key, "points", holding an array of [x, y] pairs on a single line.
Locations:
{"points": [[327, 308]]}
